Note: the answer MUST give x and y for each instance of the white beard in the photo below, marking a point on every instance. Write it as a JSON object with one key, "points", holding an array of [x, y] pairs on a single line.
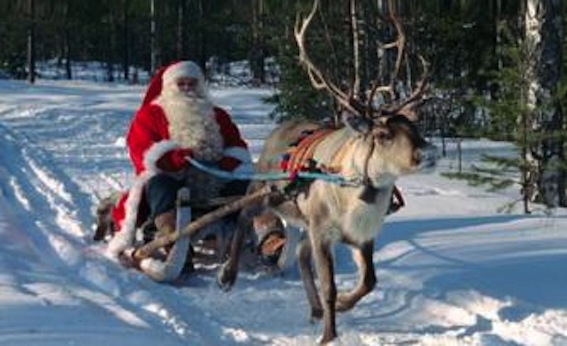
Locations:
{"points": [[192, 124]]}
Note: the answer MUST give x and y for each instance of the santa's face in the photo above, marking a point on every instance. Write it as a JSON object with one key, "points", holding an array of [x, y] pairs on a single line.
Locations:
{"points": [[188, 86]]}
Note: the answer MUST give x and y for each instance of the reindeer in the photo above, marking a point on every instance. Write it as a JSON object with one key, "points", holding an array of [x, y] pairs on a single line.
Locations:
{"points": [[375, 146]]}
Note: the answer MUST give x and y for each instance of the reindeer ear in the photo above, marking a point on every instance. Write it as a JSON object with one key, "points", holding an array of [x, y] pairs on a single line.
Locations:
{"points": [[357, 123]]}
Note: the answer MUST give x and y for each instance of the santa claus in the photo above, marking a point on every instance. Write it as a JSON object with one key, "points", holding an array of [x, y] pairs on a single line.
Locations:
{"points": [[176, 120]]}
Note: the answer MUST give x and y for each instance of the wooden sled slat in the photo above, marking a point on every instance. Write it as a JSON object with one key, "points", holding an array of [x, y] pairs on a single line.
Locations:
{"points": [[213, 202], [146, 250]]}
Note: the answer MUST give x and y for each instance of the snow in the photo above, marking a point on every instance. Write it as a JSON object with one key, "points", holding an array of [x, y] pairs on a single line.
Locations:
{"points": [[451, 270]]}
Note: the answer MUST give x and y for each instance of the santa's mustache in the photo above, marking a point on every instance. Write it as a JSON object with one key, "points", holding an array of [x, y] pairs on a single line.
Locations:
{"points": [[192, 94], [188, 98]]}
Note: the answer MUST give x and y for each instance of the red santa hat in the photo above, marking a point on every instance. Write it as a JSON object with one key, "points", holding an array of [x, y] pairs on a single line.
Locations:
{"points": [[167, 76]]}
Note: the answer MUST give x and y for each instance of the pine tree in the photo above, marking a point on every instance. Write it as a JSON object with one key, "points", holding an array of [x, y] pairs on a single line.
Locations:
{"points": [[296, 98], [508, 120]]}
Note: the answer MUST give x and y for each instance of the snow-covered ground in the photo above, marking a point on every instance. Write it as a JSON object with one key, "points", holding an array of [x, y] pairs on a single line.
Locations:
{"points": [[451, 270]]}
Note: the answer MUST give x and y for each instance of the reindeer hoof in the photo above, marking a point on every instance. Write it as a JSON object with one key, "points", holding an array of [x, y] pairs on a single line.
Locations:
{"points": [[326, 339], [226, 276], [344, 303]]}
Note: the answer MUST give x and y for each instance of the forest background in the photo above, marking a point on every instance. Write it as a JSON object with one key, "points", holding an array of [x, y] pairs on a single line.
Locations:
{"points": [[495, 67]]}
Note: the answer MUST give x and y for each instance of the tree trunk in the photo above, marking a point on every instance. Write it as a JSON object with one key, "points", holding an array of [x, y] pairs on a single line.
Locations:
{"points": [[154, 54], [67, 43], [110, 48], [126, 40], [257, 53], [66, 54], [31, 42], [180, 44], [202, 36], [544, 32]]}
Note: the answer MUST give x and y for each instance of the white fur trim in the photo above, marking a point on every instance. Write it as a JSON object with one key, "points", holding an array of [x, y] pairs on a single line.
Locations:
{"points": [[239, 153], [155, 152], [187, 69], [127, 234], [182, 69]]}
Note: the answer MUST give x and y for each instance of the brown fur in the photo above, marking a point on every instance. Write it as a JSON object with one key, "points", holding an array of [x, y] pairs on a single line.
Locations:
{"points": [[104, 224]]}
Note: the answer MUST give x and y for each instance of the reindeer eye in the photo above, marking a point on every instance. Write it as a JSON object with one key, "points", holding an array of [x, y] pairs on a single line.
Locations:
{"points": [[383, 135]]}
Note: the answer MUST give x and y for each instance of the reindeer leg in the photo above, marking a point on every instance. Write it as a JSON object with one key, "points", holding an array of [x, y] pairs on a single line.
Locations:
{"points": [[367, 277], [226, 276], [306, 272], [327, 288]]}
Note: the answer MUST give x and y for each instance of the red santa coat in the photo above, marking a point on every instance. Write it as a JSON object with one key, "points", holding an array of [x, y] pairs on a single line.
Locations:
{"points": [[148, 140]]}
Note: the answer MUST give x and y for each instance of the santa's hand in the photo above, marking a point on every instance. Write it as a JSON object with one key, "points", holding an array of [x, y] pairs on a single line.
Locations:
{"points": [[174, 160], [185, 153]]}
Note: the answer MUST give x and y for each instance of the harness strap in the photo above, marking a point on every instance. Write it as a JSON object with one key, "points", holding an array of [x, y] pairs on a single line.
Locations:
{"points": [[365, 178], [304, 150]]}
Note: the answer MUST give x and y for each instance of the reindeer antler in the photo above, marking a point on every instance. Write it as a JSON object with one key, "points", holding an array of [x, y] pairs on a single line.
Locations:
{"points": [[316, 77], [407, 106], [347, 99], [399, 43]]}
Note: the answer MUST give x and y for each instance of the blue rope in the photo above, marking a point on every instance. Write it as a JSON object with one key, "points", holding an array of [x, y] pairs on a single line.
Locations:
{"points": [[332, 178]]}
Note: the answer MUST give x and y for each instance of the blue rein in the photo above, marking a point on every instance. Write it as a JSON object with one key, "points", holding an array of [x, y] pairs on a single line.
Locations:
{"points": [[332, 178]]}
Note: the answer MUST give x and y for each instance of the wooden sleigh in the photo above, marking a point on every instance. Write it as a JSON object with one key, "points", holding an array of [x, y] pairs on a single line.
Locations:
{"points": [[167, 256]]}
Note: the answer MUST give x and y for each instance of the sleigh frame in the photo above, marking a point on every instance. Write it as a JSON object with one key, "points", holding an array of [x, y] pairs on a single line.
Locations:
{"points": [[193, 217]]}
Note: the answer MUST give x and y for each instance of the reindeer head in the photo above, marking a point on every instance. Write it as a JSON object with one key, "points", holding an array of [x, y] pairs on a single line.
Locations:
{"points": [[386, 148], [392, 144]]}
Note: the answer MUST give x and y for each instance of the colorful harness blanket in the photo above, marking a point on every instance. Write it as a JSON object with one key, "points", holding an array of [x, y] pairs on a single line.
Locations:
{"points": [[299, 157]]}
